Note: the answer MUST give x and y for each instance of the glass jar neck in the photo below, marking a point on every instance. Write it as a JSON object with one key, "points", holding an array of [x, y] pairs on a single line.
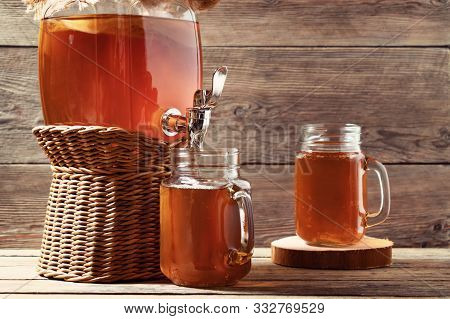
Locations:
{"points": [[205, 164], [330, 138], [164, 8]]}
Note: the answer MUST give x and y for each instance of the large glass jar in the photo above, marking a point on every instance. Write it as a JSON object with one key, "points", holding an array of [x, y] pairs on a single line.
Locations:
{"points": [[118, 63], [206, 219]]}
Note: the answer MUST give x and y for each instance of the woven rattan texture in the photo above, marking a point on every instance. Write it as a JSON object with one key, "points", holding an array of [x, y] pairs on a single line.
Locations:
{"points": [[102, 220]]}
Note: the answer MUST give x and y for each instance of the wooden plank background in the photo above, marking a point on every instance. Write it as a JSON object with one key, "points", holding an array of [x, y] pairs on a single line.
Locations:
{"points": [[292, 23], [382, 64], [416, 221]]}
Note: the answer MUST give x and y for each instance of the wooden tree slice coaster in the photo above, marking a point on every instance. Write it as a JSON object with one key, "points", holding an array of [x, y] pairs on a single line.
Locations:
{"points": [[368, 253]]}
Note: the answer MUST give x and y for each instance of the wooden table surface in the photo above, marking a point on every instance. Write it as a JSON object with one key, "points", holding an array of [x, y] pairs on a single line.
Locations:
{"points": [[415, 273]]}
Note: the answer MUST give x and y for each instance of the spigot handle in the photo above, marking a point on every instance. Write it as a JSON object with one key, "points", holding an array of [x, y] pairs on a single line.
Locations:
{"points": [[210, 98], [218, 83]]}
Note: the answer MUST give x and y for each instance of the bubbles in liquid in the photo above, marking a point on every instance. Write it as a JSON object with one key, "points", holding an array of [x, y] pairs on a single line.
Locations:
{"points": [[196, 185]]}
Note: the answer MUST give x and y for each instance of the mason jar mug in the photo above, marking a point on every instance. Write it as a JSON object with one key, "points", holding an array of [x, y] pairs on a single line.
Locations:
{"points": [[331, 186], [206, 219]]}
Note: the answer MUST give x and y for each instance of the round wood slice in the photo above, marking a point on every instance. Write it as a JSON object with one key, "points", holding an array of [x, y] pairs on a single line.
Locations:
{"points": [[368, 253]]}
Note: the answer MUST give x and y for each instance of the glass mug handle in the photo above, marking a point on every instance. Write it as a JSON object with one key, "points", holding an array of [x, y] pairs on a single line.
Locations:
{"points": [[244, 253], [377, 217]]}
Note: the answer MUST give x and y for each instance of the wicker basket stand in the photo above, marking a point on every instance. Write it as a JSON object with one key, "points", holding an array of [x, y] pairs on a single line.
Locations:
{"points": [[102, 219]]}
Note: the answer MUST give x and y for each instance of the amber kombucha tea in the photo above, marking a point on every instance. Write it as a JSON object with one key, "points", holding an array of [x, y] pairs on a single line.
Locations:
{"points": [[117, 70], [330, 197], [198, 228]]}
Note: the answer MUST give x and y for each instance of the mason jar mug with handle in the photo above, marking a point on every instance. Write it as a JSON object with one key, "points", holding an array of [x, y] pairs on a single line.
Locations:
{"points": [[331, 186], [206, 219]]}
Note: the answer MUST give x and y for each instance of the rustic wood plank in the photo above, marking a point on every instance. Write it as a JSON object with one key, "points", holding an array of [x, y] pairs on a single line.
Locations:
{"points": [[19, 252], [419, 218], [259, 252], [400, 96], [13, 268], [22, 220], [291, 23], [318, 287], [420, 272], [426, 268], [17, 27]]}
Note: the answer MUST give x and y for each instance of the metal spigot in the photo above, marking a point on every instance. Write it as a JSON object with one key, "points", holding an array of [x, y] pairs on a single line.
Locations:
{"points": [[196, 121]]}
